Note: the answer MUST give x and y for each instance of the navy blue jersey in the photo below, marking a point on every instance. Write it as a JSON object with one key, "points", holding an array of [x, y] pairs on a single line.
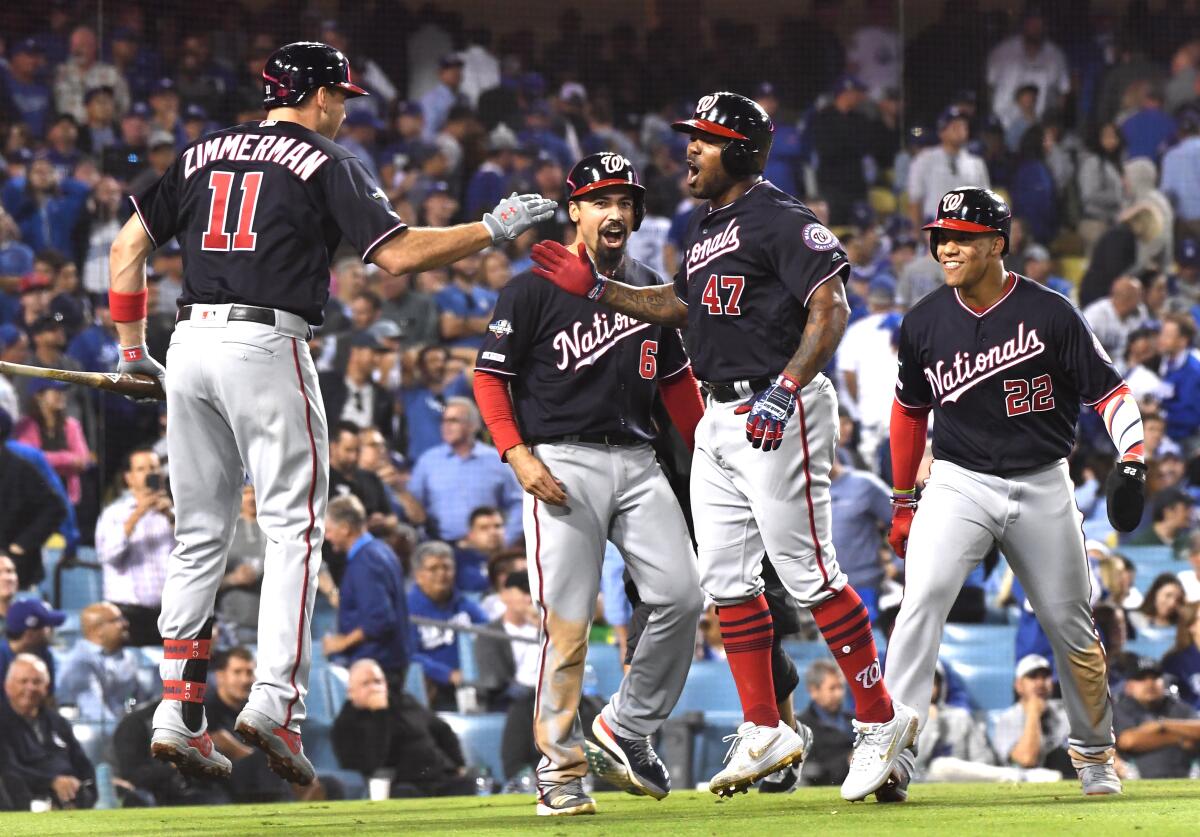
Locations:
{"points": [[749, 269], [576, 366], [1005, 384], [259, 209]]}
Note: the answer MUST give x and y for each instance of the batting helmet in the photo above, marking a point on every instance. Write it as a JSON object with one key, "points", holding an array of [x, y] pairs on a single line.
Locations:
{"points": [[598, 171], [295, 70], [741, 121], [971, 209]]}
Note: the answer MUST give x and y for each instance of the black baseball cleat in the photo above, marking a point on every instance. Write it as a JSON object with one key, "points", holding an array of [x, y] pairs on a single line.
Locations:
{"points": [[895, 789], [645, 769]]}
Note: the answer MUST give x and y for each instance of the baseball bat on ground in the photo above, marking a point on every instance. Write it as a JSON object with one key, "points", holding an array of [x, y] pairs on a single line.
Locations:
{"points": [[135, 386]]}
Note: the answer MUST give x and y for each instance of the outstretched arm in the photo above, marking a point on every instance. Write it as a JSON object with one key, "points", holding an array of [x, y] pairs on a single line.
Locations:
{"points": [[575, 274]]}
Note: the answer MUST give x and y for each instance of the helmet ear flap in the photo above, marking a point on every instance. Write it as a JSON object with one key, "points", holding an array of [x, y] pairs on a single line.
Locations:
{"points": [[738, 158]]}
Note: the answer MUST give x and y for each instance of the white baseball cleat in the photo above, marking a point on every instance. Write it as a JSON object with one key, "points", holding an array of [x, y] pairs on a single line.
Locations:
{"points": [[878, 748], [756, 751], [1097, 773]]}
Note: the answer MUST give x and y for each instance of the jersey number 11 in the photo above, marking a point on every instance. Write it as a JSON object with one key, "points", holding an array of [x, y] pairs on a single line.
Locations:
{"points": [[220, 183]]}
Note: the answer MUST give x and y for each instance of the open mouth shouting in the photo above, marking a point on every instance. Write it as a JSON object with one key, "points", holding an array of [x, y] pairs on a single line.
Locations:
{"points": [[613, 235]]}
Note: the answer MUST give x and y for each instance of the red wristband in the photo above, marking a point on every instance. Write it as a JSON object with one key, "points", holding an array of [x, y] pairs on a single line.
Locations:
{"points": [[127, 308]]}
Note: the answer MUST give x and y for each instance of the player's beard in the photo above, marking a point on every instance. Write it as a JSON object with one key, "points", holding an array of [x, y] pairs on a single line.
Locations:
{"points": [[609, 258]]}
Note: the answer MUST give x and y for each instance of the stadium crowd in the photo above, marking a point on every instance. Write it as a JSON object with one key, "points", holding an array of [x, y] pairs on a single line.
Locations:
{"points": [[1089, 123]]}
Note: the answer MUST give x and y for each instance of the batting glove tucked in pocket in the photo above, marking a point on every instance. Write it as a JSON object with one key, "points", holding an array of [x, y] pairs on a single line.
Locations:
{"points": [[769, 412]]}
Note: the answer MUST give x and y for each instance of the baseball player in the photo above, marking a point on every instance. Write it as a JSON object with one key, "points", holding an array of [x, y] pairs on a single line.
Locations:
{"points": [[259, 208], [763, 318], [576, 430], [1003, 363]]}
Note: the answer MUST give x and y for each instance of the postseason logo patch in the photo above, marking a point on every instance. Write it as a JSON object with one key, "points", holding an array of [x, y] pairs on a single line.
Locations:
{"points": [[500, 328], [819, 238]]}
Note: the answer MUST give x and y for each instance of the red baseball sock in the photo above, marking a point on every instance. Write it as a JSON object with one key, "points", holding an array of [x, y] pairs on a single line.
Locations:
{"points": [[748, 632], [844, 623]]}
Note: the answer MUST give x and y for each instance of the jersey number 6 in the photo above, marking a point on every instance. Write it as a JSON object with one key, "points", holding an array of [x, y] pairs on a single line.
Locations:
{"points": [[1022, 396], [712, 297], [220, 183], [649, 365]]}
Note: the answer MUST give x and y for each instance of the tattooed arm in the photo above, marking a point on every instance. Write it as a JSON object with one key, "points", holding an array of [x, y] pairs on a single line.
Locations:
{"points": [[828, 312], [657, 304]]}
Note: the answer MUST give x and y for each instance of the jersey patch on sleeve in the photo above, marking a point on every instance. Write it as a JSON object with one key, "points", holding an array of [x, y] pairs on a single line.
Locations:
{"points": [[500, 328], [818, 237], [496, 356]]}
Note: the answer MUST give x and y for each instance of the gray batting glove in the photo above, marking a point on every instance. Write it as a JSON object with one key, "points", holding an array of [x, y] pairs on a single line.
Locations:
{"points": [[136, 360], [517, 213]]}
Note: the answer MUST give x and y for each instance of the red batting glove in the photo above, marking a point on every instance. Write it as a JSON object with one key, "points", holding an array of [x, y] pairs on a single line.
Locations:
{"points": [[902, 518], [573, 272]]}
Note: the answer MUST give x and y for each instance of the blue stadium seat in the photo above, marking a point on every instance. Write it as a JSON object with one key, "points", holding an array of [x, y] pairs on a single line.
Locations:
{"points": [[318, 746], [606, 663], [1152, 561], [81, 586], [324, 621], [988, 686], [804, 652], [414, 683], [319, 703], [1152, 642], [466, 656], [480, 737], [709, 688]]}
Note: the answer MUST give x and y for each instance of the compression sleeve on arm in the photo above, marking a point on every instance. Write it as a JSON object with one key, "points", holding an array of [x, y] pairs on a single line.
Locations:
{"points": [[1123, 421], [908, 429], [496, 407], [681, 397]]}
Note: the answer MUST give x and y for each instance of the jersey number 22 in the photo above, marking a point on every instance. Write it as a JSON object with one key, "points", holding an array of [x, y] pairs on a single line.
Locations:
{"points": [[220, 183]]}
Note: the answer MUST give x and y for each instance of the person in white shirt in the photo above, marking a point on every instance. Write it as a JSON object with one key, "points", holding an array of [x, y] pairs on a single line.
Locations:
{"points": [[1190, 579], [875, 51], [1027, 58], [1114, 317], [944, 167], [867, 361]]}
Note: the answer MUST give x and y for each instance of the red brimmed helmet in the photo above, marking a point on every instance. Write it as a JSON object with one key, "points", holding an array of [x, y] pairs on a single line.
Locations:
{"points": [[740, 120], [971, 209], [295, 70], [599, 171]]}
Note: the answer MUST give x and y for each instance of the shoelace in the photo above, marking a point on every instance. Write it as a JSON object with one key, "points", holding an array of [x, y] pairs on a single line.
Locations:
{"points": [[736, 738], [644, 751], [868, 735]]}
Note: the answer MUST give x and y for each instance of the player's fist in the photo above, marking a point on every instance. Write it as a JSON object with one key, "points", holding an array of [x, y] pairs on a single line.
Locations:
{"points": [[1125, 490], [902, 518], [573, 272], [136, 360], [769, 412], [517, 213]]}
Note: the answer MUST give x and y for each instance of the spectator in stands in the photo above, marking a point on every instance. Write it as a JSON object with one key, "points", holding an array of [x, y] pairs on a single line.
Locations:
{"points": [[49, 429], [1157, 733], [484, 539], [1161, 607], [841, 137], [1033, 731], [346, 478], [438, 102], [424, 400], [489, 184], [414, 312], [1190, 579], [464, 308], [828, 759], [948, 165], [1024, 116], [862, 360], [375, 455], [159, 780], [498, 570], [252, 779], [8, 588], [381, 730], [463, 474], [862, 511], [29, 629], [435, 647], [159, 153], [1182, 663], [1113, 626], [134, 538], [49, 341], [37, 745], [1141, 347], [1180, 169], [1034, 195], [354, 396], [24, 85], [1154, 251], [100, 675], [14, 346], [45, 205], [1039, 267], [1170, 516], [508, 672], [1114, 317], [1180, 369], [98, 129], [241, 587], [83, 72], [30, 511], [1101, 187], [1149, 127], [99, 224], [1027, 56], [372, 618]]}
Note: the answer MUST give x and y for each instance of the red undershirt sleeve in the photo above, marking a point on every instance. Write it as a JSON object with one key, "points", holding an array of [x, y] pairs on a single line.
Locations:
{"points": [[681, 397], [496, 407], [909, 427]]}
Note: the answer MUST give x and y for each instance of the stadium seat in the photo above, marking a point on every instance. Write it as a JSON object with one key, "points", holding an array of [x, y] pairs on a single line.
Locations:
{"points": [[709, 688], [1072, 268], [883, 201], [414, 683], [1152, 642], [605, 661], [480, 737], [94, 737], [324, 620], [321, 703], [81, 586], [466, 656], [318, 746], [1152, 561], [988, 686]]}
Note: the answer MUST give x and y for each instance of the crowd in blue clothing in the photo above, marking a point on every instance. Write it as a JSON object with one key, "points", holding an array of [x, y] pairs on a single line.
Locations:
{"points": [[1101, 161]]}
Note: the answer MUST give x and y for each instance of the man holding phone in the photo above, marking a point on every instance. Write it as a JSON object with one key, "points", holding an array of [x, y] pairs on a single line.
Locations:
{"points": [[134, 537]]}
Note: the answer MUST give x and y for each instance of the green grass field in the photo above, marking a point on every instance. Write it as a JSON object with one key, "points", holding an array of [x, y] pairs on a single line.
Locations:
{"points": [[1152, 808]]}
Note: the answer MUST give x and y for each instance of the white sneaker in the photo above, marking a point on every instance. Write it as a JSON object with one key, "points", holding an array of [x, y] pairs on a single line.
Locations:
{"points": [[756, 751], [876, 751], [1040, 774], [1097, 773]]}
